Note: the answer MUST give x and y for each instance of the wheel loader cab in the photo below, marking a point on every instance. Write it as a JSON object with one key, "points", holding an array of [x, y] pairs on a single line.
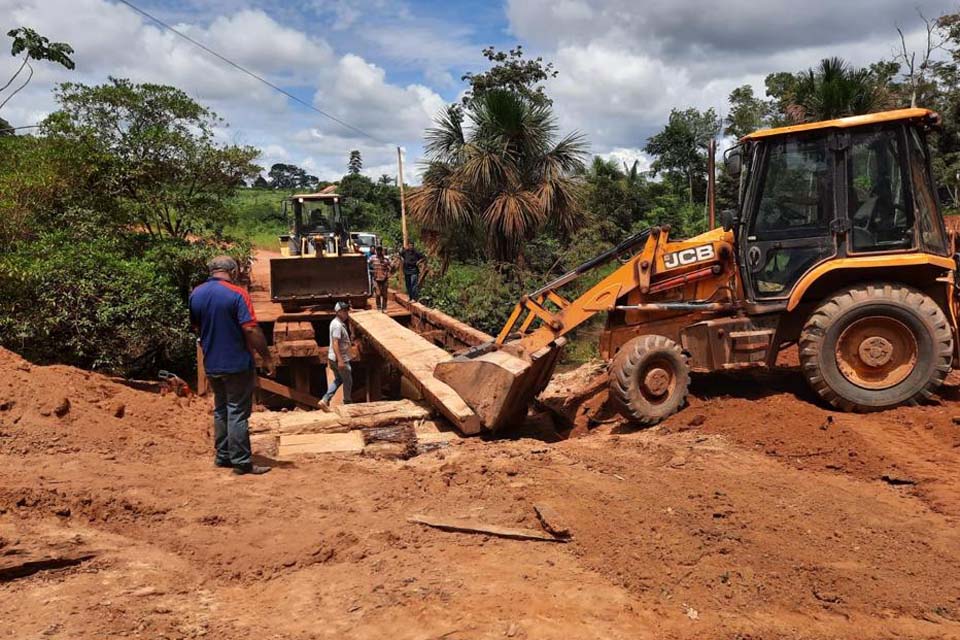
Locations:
{"points": [[817, 198]]}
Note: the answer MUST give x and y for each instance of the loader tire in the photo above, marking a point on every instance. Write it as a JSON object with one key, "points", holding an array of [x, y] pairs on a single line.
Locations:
{"points": [[649, 379], [876, 346]]}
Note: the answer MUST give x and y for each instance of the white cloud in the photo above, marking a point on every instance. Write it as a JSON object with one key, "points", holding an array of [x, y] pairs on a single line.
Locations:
{"points": [[624, 65], [110, 39]]}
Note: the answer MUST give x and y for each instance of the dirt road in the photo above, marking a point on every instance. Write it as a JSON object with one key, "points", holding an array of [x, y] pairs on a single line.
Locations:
{"points": [[749, 515]]}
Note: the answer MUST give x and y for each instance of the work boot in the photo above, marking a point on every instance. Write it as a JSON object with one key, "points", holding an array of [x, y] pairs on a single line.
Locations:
{"points": [[223, 464], [251, 469]]}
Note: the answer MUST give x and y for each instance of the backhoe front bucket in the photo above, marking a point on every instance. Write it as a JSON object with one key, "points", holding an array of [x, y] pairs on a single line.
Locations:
{"points": [[496, 384]]}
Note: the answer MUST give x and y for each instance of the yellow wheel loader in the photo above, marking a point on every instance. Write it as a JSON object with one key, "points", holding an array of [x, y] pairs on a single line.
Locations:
{"points": [[320, 262], [837, 245]]}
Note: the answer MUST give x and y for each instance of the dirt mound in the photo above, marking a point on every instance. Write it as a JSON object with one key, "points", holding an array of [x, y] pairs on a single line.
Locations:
{"points": [[61, 410], [753, 513]]}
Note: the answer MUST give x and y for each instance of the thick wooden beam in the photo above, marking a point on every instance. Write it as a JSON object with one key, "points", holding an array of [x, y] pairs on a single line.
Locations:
{"points": [[461, 331], [300, 397], [341, 418], [416, 358]]}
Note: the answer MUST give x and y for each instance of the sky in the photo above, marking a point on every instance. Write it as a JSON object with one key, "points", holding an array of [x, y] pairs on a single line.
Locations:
{"points": [[387, 67]]}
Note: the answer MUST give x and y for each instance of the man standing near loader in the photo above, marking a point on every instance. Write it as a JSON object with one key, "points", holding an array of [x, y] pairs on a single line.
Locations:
{"points": [[338, 355], [380, 271], [412, 261], [223, 317]]}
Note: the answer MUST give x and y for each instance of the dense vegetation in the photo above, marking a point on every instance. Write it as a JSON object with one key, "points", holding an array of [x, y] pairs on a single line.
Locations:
{"points": [[109, 211]]}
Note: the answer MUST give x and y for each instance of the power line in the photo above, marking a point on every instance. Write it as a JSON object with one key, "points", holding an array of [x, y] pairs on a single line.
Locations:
{"points": [[251, 73], [28, 126]]}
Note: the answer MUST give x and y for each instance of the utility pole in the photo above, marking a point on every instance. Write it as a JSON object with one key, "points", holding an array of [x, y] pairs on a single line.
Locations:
{"points": [[712, 182], [403, 204]]}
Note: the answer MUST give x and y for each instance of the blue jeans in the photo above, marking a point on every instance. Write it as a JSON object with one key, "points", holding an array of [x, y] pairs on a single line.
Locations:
{"points": [[232, 403], [412, 280], [342, 375]]}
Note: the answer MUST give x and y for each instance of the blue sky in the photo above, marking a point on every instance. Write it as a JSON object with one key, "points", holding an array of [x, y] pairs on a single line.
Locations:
{"points": [[389, 66]]}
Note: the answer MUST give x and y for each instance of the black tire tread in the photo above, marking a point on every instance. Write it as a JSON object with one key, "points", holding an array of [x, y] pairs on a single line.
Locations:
{"points": [[623, 378], [815, 329]]}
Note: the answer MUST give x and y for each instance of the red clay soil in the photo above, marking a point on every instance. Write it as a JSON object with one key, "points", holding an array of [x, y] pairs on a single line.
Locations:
{"points": [[751, 514]]}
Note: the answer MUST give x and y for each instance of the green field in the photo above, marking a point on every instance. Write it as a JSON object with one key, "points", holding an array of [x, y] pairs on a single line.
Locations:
{"points": [[259, 217]]}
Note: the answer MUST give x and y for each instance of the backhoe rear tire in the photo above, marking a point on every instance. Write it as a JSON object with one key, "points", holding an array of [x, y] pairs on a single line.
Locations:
{"points": [[649, 379], [876, 346]]}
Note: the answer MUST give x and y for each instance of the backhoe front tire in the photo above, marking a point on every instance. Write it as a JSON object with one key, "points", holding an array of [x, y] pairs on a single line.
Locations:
{"points": [[876, 346], [649, 379]]}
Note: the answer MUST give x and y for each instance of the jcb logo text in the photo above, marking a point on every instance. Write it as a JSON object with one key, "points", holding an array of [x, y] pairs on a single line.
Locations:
{"points": [[688, 256]]}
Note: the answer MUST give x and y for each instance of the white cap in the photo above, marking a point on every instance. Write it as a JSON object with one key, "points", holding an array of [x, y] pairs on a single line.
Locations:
{"points": [[341, 306]]}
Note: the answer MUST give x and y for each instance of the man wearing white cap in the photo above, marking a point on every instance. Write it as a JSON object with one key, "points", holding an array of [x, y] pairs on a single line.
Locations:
{"points": [[338, 355]]}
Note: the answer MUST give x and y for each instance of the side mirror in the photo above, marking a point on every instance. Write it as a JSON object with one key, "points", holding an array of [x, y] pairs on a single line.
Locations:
{"points": [[733, 161], [729, 219]]}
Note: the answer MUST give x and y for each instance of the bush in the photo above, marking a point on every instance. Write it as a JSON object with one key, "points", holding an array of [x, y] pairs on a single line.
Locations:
{"points": [[113, 304], [477, 294]]}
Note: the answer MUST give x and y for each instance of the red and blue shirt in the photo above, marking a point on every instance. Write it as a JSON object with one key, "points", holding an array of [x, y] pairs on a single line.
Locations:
{"points": [[220, 310]]}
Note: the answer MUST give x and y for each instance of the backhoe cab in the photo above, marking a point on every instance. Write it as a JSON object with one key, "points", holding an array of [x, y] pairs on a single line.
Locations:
{"points": [[838, 245]]}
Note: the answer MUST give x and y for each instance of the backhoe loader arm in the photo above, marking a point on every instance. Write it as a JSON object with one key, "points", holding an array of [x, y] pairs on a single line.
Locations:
{"points": [[656, 268], [499, 380]]}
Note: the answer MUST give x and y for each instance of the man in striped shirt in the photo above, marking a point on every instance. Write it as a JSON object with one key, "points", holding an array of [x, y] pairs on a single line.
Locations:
{"points": [[380, 268]]}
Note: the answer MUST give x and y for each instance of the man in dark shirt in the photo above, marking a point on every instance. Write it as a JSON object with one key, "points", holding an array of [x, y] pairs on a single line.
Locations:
{"points": [[412, 259], [222, 315]]}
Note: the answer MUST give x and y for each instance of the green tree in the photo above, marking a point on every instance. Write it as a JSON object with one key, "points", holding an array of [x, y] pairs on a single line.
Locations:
{"points": [[171, 176], [835, 89], [290, 177], [355, 164], [261, 183], [507, 175], [511, 72], [34, 47], [6, 129], [680, 150], [747, 113], [385, 180]]}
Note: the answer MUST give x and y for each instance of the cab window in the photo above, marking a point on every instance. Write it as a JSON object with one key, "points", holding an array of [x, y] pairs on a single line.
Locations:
{"points": [[880, 216], [931, 230], [790, 231], [797, 194]]}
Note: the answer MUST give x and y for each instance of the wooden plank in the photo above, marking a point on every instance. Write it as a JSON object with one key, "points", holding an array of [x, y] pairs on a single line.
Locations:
{"points": [[463, 525], [299, 349], [291, 331], [282, 390], [290, 445], [417, 358]]}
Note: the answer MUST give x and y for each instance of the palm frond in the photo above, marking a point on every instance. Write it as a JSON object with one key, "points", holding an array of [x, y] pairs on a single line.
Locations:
{"points": [[445, 141], [561, 201], [513, 215], [441, 201], [565, 158]]}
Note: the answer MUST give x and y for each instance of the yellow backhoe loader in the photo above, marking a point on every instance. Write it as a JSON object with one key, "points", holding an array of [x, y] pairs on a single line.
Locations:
{"points": [[837, 245]]}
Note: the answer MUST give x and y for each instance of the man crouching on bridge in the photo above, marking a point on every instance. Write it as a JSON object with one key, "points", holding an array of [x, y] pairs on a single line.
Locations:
{"points": [[223, 317]]}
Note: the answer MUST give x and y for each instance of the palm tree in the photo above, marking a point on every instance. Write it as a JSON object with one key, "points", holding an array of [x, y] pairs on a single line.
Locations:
{"points": [[835, 90], [504, 175]]}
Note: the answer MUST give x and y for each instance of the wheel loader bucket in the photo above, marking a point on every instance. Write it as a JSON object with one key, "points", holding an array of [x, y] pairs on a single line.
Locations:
{"points": [[498, 385], [306, 281]]}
